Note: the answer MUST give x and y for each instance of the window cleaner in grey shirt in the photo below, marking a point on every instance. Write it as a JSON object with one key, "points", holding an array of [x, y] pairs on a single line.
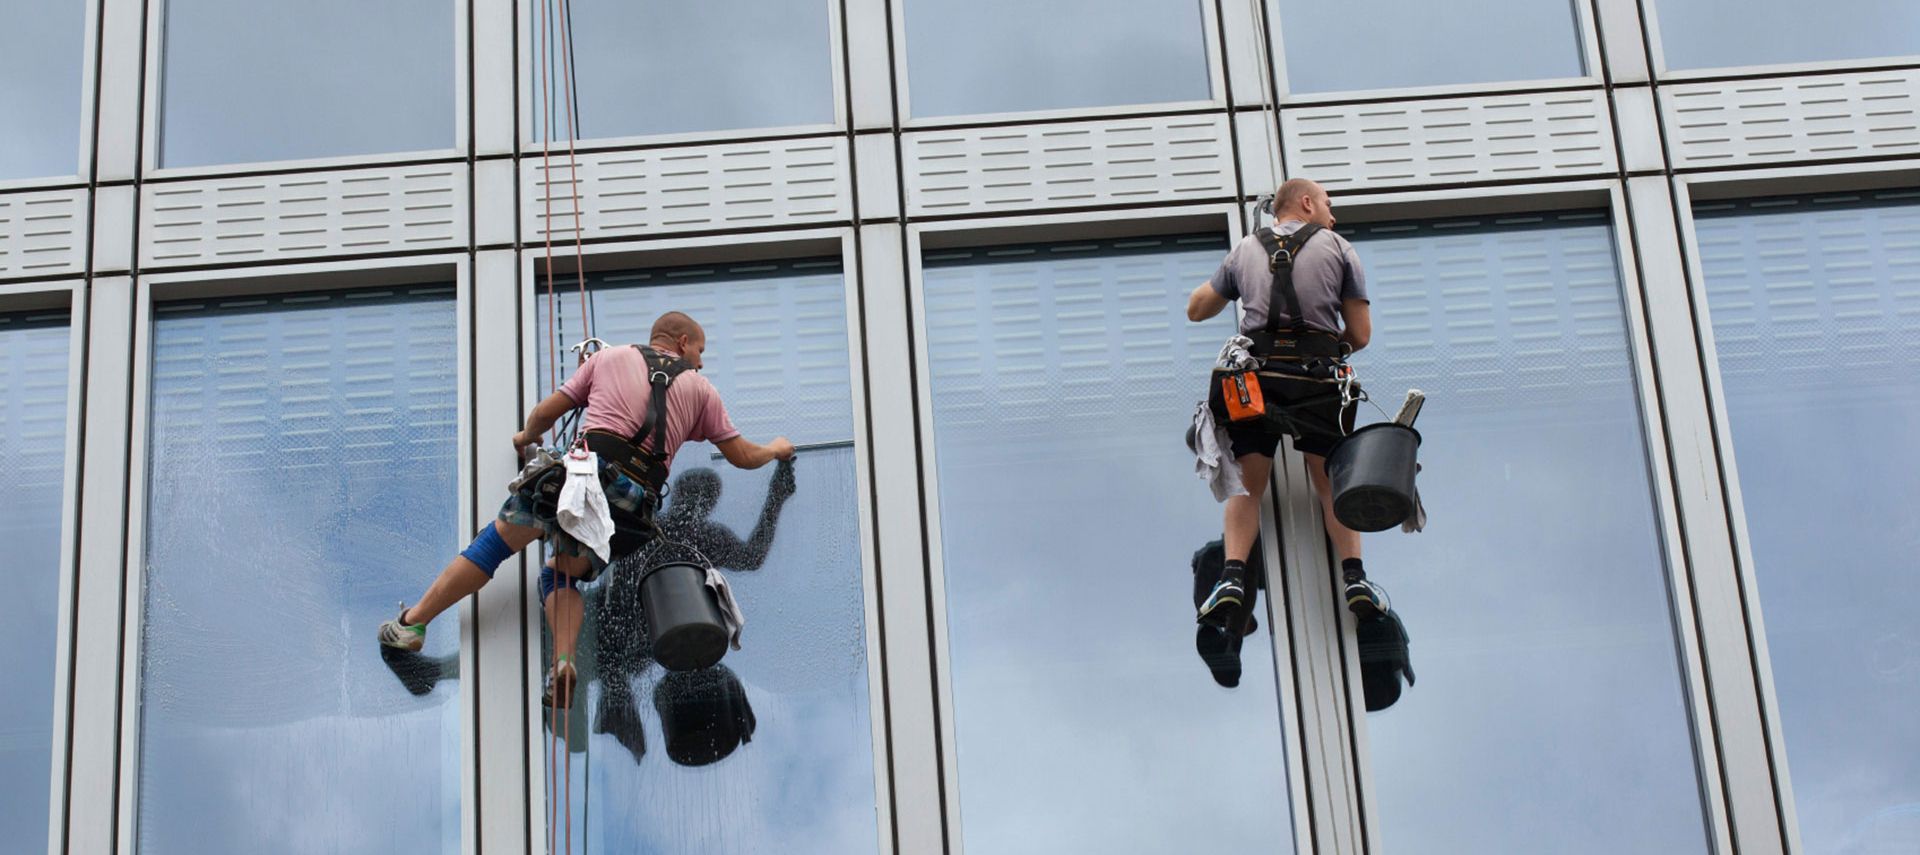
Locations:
{"points": [[1331, 291]]}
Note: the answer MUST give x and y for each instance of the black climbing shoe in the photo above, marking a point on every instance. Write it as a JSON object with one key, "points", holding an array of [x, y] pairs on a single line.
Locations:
{"points": [[1365, 599], [1222, 608]]}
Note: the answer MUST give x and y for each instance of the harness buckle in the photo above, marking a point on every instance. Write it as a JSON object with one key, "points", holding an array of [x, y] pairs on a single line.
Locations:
{"points": [[1280, 258], [658, 377]]}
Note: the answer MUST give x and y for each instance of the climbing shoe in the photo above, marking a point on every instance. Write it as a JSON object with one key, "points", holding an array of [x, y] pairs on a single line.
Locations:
{"points": [[559, 691], [1365, 599], [1222, 607], [401, 635]]}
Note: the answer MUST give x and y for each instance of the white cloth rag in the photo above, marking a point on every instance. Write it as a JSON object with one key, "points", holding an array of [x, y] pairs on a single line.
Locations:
{"points": [[583, 510], [1418, 519], [729, 607], [1236, 355], [1213, 461]]}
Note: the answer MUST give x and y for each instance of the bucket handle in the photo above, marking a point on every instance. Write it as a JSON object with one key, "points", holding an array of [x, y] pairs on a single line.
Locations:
{"points": [[647, 552]]}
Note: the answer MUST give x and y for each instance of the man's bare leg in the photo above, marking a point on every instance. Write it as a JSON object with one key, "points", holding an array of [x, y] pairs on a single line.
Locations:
{"points": [[1243, 512], [1225, 604], [461, 577], [1346, 541], [566, 609], [1362, 597]]}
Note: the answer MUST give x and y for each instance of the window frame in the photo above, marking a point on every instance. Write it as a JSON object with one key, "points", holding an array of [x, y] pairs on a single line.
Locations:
{"points": [[526, 77], [1586, 31], [153, 113], [83, 138], [1298, 737], [52, 296], [1657, 58], [151, 289], [839, 242], [907, 121], [1689, 188], [1656, 420]]}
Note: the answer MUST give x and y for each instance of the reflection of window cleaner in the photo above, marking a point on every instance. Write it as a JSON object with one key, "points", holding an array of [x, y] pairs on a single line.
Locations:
{"points": [[1304, 296], [641, 404], [622, 647]]}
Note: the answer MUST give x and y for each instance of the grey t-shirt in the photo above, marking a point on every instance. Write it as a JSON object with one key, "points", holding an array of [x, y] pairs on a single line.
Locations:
{"points": [[1326, 273]]}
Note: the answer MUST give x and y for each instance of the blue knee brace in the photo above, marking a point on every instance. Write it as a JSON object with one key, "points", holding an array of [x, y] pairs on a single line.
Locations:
{"points": [[487, 550], [548, 582]]}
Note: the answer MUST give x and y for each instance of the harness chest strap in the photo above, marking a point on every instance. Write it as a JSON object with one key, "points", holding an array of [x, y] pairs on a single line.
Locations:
{"points": [[647, 462], [1281, 251]]}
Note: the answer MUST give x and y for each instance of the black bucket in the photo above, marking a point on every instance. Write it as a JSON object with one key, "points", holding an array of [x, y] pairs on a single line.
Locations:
{"points": [[1371, 472], [683, 615]]}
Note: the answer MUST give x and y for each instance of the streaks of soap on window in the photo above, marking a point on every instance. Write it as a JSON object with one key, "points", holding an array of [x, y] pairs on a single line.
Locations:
{"points": [[1063, 376], [302, 482], [772, 750], [33, 432]]}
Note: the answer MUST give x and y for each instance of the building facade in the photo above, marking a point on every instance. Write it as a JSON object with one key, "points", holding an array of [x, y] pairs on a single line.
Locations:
{"points": [[276, 289]]}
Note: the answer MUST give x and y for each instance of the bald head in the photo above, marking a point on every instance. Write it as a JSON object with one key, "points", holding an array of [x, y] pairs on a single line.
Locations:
{"points": [[681, 334], [1305, 200]]}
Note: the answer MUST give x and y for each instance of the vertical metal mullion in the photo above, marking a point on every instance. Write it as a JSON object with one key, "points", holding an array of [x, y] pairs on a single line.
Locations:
{"points": [[491, 621], [1734, 703]]}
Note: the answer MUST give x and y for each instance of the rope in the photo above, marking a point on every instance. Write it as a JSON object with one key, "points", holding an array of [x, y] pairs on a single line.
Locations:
{"points": [[557, 22], [1270, 107], [573, 164]]}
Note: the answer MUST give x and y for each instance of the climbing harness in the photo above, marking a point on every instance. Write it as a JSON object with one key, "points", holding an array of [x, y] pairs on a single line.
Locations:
{"points": [[643, 461]]}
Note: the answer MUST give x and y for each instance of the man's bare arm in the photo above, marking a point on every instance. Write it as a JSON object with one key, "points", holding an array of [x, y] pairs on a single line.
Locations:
{"points": [[542, 418], [746, 454], [1205, 303], [1358, 318]]}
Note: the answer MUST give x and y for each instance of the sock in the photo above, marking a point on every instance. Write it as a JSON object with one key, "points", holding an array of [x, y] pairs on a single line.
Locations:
{"points": [[1350, 570], [1235, 570]]}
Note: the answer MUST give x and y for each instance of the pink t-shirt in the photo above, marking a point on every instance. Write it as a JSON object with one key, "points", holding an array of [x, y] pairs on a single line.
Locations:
{"points": [[613, 386]]}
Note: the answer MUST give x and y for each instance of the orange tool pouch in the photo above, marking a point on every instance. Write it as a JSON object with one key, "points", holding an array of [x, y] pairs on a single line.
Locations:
{"points": [[1238, 396]]}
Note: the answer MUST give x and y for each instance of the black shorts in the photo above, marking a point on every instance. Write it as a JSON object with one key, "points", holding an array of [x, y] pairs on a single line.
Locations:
{"points": [[1321, 424]]}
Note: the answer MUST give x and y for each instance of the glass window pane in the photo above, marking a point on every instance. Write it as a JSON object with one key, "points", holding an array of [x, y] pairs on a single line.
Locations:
{"points": [[1080, 705], [33, 437], [261, 80], [1549, 691], [1004, 56], [664, 761], [302, 482], [1726, 33], [1815, 306], [42, 50], [667, 66], [1333, 47]]}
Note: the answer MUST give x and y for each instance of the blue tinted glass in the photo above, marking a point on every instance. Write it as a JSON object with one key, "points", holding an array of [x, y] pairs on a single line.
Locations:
{"points": [[1815, 306], [1002, 56], [1549, 714], [1063, 377], [1724, 33], [41, 54], [664, 66], [33, 431], [260, 80], [772, 750], [301, 483], [1332, 47]]}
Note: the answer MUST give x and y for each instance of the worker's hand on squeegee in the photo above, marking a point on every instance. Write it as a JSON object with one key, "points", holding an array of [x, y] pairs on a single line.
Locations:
{"points": [[781, 447]]}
